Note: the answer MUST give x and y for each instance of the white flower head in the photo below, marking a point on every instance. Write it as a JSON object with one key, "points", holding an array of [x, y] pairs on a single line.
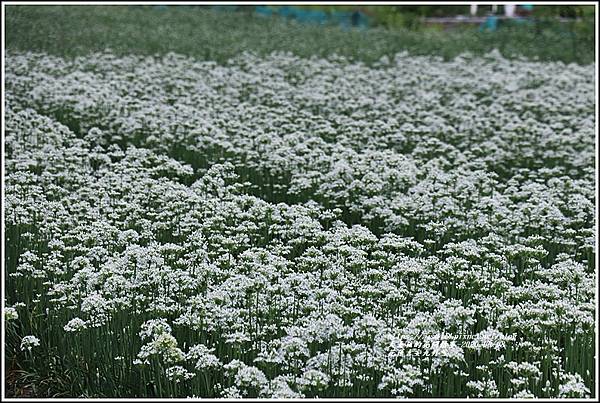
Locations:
{"points": [[28, 342], [75, 325], [10, 314], [177, 373]]}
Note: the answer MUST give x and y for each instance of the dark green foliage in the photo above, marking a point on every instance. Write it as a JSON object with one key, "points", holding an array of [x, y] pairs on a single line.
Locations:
{"points": [[207, 34]]}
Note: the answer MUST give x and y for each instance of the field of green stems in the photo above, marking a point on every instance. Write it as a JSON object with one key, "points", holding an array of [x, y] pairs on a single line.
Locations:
{"points": [[210, 35], [283, 226]]}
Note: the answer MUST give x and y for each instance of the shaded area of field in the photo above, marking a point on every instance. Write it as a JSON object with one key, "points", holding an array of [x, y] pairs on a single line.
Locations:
{"points": [[212, 35]]}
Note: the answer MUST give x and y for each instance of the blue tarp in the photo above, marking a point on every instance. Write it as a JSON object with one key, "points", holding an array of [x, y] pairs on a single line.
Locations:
{"points": [[302, 15], [490, 24], [346, 19]]}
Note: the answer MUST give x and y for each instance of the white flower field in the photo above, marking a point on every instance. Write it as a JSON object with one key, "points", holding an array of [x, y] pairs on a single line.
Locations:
{"points": [[284, 227]]}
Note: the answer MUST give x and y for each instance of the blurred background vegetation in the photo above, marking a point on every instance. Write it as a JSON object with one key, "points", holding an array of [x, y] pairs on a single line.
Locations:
{"points": [[412, 16], [219, 32]]}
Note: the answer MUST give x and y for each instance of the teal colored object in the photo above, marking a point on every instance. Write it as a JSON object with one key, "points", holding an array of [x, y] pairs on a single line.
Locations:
{"points": [[528, 7], [345, 19], [490, 24]]}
